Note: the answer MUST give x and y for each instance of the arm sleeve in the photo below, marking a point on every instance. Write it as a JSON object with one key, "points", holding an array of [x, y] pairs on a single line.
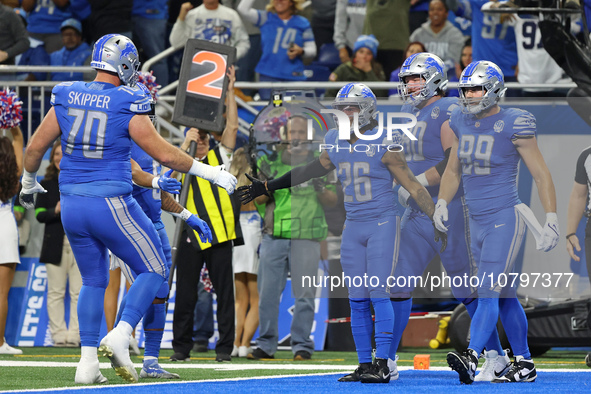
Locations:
{"points": [[178, 35], [250, 14], [309, 49], [340, 25], [581, 175], [299, 175], [440, 167], [242, 43]]}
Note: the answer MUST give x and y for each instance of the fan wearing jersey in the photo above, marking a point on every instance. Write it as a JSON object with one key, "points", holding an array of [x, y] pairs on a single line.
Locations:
{"points": [[370, 237], [492, 39], [286, 38], [98, 211], [423, 84], [485, 154]]}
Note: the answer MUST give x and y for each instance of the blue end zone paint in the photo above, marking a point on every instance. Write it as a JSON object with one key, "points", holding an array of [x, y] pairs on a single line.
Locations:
{"points": [[409, 382]]}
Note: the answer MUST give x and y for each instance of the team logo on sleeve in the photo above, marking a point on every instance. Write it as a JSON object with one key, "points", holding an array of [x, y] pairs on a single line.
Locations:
{"points": [[435, 113], [499, 125]]}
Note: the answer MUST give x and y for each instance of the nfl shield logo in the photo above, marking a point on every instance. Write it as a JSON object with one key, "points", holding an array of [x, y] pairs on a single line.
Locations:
{"points": [[498, 127], [435, 113], [371, 152]]}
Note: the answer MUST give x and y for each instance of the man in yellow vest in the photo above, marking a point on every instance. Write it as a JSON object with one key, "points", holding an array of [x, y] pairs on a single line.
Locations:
{"points": [[221, 212]]}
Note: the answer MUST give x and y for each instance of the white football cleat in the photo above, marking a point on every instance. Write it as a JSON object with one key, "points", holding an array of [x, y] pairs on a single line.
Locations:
{"points": [[88, 372], [494, 367], [115, 346]]}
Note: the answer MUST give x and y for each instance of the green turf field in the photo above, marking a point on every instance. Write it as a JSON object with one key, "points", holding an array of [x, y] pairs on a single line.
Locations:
{"points": [[40, 368]]}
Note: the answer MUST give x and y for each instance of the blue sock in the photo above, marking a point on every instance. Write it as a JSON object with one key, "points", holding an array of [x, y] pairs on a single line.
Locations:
{"points": [[361, 327], [493, 343], [154, 328], [90, 314], [401, 315], [483, 323], [515, 323], [140, 297], [384, 322]]}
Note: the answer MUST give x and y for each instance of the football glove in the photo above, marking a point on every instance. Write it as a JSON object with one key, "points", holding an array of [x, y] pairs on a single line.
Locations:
{"points": [[440, 215], [225, 179], [201, 227], [166, 183], [252, 191], [439, 235], [30, 187], [550, 233]]}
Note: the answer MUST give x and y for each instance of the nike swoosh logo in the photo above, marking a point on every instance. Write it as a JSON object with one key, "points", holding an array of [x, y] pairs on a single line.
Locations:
{"points": [[379, 224], [499, 225]]}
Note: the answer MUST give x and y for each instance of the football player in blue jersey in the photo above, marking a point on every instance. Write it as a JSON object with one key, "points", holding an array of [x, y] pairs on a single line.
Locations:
{"points": [[366, 173], [96, 122], [423, 82], [485, 154]]}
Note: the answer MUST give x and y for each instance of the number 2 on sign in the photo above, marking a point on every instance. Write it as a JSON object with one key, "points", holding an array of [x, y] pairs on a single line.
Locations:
{"points": [[202, 85]]}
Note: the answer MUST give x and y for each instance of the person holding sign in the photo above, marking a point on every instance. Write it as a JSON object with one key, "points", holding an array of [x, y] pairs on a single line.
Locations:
{"points": [[98, 211]]}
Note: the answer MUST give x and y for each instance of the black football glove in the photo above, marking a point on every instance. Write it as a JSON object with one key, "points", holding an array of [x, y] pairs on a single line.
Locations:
{"points": [[252, 191], [439, 235]]}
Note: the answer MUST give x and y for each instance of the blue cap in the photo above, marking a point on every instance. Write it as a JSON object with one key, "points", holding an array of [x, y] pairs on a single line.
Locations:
{"points": [[367, 41], [73, 23]]}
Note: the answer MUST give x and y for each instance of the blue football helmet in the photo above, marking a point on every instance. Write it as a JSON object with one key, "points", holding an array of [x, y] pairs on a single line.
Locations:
{"points": [[489, 77], [431, 69], [118, 54], [359, 95]]}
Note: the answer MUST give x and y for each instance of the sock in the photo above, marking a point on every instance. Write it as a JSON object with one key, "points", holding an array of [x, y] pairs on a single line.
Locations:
{"points": [[154, 329], [384, 322], [515, 323], [361, 328], [88, 353], [481, 327], [90, 314], [140, 297], [493, 343], [401, 315]]}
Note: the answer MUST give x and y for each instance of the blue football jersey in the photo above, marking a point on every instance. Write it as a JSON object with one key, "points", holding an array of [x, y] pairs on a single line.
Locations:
{"points": [[94, 119], [366, 181], [427, 151], [492, 41], [149, 199], [488, 157], [276, 38]]}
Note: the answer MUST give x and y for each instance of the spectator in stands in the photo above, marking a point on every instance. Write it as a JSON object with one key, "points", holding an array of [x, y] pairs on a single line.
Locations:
{"points": [[348, 25], [465, 58], [149, 30], [362, 68], [411, 49], [11, 168], [440, 36], [75, 52], [58, 257], [246, 264], [247, 64], [36, 55], [286, 39], [294, 226], [210, 21], [109, 16], [322, 21], [47, 16], [13, 38], [388, 22]]}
